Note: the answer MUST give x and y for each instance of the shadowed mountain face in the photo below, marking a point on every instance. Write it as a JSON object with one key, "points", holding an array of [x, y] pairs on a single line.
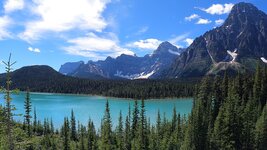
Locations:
{"points": [[235, 46], [126, 66], [69, 67]]}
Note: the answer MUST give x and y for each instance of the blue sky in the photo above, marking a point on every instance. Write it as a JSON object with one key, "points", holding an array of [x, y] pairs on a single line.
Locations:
{"points": [[52, 32]]}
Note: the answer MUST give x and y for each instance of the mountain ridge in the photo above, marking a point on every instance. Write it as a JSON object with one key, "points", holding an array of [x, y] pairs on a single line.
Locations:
{"points": [[127, 66]]}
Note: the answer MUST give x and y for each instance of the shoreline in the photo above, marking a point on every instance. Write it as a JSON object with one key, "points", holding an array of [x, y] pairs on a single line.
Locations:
{"points": [[119, 98]]}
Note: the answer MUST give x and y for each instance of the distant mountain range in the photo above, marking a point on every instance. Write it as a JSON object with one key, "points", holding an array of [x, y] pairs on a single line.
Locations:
{"points": [[125, 66], [236, 46]]}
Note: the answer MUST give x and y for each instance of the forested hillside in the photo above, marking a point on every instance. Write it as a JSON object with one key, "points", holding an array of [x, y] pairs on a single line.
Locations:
{"points": [[46, 79]]}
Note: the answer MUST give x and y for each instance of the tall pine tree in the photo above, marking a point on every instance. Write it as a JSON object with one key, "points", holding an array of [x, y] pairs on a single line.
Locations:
{"points": [[106, 130], [27, 116], [9, 108]]}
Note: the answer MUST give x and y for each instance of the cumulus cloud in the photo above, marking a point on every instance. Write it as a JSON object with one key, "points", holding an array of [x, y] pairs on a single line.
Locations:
{"points": [[192, 17], [64, 15], [36, 50], [188, 41], [13, 5], [219, 21], [149, 44], [5, 21], [218, 9], [95, 47], [203, 21]]}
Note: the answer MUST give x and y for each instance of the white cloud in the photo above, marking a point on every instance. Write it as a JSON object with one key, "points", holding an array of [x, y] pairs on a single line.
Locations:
{"points": [[188, 41], [218, 9], [149, 44], [13, 5], [5, 21], [203, 21], [219, 21], [178, 38], [36, 50], [192, 17], [95, 47], [65, 15]]}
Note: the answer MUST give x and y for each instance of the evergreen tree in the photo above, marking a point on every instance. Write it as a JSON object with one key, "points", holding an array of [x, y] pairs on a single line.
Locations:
{"points": [[82, 138], [119, 134], [263, 97], [226, 129], [174, 119], [143, 134], [52, 126], [66, 135], [34, 121], [73, 135], [158, 130], [9, 108], [257, 84], [106, 132], [92, 141], [135, 120], [127, 131], [27, 116], [217, 96], [249, 119], [225, 86], [261, 131]]}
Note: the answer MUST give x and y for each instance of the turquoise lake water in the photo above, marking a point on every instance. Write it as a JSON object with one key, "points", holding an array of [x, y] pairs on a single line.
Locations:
{"points": [[58, 106]]}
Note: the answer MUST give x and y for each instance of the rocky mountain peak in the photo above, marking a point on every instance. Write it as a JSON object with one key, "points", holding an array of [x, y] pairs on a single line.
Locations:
{"points": [[165, 48], [244, 13]]}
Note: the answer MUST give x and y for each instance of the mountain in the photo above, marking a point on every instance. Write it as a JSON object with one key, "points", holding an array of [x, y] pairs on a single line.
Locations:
{"points": [[70, 67], [126, 66], [235, 46]]}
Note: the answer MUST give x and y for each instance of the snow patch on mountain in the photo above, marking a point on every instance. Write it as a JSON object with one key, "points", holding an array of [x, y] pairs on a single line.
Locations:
{"points": [[173, 52], [264, 60], [142, 75], [146, 76], [233, 55]]}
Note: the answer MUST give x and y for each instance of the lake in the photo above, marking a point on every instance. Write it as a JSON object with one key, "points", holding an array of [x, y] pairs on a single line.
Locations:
{"points": [[58, 106]]}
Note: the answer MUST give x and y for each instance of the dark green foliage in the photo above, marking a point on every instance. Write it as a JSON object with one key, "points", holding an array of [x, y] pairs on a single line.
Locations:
{"points": [[34, 121], [92, 137], [9, 108], [119, 134], [143, 131], [106, 131], [27, 116], [73, 135], [82, 138], [127, 131], [261, 130], [66, 134], [135, 118]]}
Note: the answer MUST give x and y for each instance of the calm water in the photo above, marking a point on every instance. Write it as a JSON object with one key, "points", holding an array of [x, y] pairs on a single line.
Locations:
{"points": [[57, 106]]}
